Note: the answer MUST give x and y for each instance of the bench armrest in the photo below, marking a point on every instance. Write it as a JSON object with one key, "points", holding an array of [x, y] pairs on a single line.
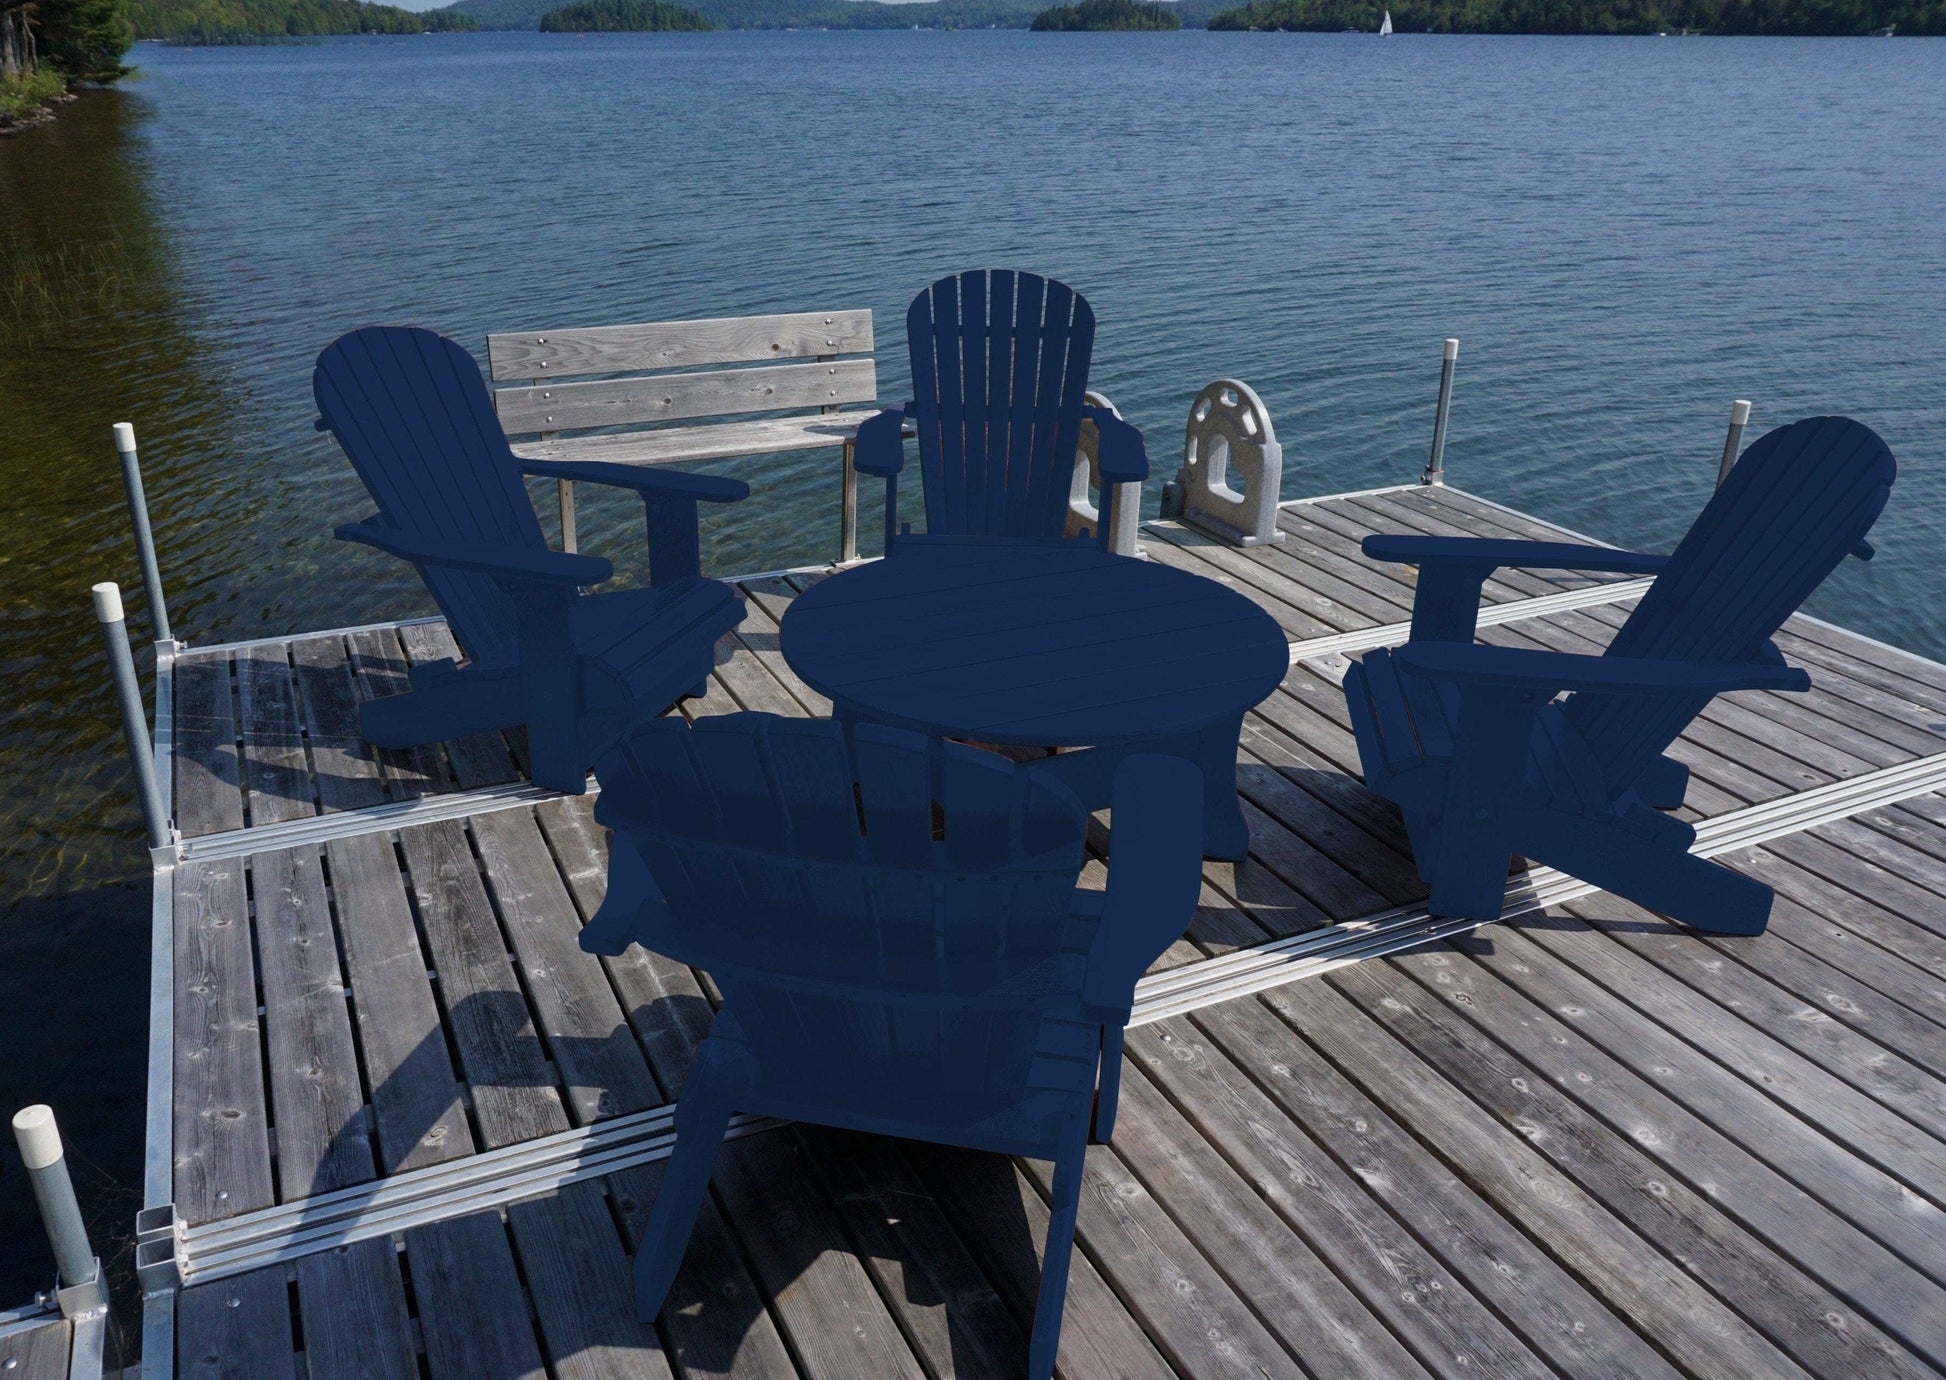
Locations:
{"points": [[521, 563], [1489, 553], [1518, 668]]}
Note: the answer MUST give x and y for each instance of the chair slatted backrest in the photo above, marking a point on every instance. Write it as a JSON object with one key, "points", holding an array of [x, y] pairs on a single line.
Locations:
{"points": [[1797, 502], [641, 375], [858, 933], [412, 412], [999, 370]]}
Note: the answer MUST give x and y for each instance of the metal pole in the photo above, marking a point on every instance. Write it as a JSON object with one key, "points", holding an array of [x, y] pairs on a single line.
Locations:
{"points": [[138, 512], [1436, 467], [40, 1148], [570, 541], [848, 508], [1739, 415], [128, 695]]}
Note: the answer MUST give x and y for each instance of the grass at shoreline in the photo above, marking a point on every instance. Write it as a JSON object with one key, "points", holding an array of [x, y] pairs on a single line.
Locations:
{"points": [[47, 292], [22, 96]]}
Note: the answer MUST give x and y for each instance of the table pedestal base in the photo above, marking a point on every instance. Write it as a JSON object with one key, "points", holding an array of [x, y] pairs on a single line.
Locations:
{"points": [[1090, 774]]}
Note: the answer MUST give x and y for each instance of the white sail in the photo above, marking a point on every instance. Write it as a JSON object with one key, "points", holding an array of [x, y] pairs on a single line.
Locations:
{"points": [[1385, 25]]}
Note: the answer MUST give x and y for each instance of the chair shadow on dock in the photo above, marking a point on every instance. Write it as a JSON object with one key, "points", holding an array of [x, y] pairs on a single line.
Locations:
{"points": [[942, 1230]]}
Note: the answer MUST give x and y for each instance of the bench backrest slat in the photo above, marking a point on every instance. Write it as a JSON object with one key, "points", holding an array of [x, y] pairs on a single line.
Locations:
{"points": [[677, 344], [674, 397], [617, 376]]}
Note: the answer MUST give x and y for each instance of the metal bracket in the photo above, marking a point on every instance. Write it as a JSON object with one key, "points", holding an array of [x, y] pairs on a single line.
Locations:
{"points": [[158, 1249], [88, 1299]]}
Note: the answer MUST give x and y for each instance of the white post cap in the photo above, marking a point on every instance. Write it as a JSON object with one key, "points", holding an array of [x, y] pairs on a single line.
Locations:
{"points": [[40, 1140], [124, 438], [108, 601], [1452, 347], [1739, 412]]}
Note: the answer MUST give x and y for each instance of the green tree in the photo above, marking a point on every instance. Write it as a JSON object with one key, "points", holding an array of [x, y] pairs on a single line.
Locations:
{"points": [[83, 40]]}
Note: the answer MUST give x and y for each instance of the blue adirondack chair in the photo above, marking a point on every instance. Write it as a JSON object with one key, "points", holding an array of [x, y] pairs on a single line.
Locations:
{"points": [[1485, 762], [411, 411], [999, 370], [880, 972]]}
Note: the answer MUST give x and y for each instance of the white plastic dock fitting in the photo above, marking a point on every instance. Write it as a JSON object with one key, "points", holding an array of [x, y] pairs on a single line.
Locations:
{"points": [[1739, 418], [47, 1167]]}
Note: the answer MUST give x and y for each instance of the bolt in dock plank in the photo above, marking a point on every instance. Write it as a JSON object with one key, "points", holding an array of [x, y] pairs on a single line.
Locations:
{"points": [[348, 775], [351, 1302], [322, 1141], [472, 1313], [236, 1329], [513, 1087], [1315, 1314], [222, 1142], [37, 1353], [415, 1096], [665, 1004], [576, 1010], [824, 1301]]}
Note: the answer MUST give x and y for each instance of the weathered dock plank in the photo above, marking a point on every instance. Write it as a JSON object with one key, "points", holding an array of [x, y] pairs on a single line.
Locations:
{"points": [[36, 1353], [222, 1141], [351, 1302], [236, 1329], [312, 1067], [415, 1096]]}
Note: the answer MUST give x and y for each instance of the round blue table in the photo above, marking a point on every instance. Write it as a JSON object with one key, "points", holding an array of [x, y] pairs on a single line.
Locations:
{"points": [[1048, 646]]}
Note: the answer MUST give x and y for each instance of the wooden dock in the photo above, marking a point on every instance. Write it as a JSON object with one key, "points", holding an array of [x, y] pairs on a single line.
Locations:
{"points": [[408, 1128]]}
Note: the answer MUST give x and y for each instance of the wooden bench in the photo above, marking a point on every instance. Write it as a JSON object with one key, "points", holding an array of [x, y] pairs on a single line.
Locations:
{"points": [[641, 395]]}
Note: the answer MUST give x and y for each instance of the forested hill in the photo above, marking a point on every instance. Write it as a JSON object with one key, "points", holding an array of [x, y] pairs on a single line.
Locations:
{"points": [[1781, 17], [623, 16], [827, 14], [240, 21], [1108, 16]]}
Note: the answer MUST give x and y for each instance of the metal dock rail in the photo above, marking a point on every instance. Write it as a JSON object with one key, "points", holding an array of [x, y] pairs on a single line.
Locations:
{"points": [[401, 1125]]}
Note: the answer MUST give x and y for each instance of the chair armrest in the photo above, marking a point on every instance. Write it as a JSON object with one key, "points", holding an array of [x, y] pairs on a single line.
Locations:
{"points": [[1155, 874], [645, 480], [1517, 668], [1124, 458], [669, 499], [1491, 554], [550, 567], [880, 446]]}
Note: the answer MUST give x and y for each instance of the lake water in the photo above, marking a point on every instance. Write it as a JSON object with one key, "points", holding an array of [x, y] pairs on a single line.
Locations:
{"points": [[1626, 234]]}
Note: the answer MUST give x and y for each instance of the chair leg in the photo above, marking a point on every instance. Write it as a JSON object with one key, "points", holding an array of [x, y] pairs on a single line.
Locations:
{"points": [[1699, 893], [699, 1136], [1225, 835], [1046, 1339], [1469, 877], [1703, 895], [1108, 1091]]}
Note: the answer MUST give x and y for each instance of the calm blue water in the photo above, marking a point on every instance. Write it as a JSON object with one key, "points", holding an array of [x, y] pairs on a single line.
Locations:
{"points": [[1626, 234]]}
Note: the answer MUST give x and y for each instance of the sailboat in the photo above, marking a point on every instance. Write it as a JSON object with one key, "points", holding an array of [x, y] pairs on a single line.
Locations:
{"points": [[1385, 25]]}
